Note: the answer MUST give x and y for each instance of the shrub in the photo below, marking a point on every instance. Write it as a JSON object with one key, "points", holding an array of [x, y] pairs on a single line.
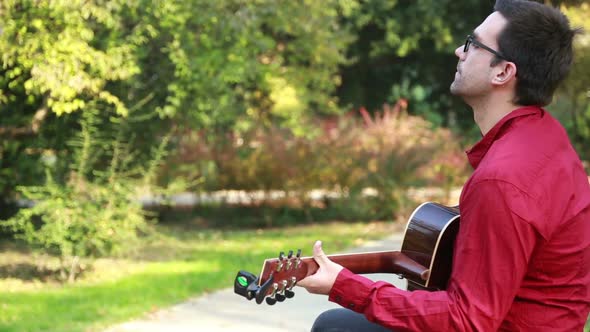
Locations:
{"points": [[91, 213], [389, 153], [364, 165]]}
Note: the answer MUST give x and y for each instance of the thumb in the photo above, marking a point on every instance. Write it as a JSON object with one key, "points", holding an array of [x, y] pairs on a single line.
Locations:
{"points": [[318, 254]]}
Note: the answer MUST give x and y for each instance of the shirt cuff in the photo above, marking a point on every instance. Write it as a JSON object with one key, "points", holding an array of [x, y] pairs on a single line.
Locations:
{"points": [[351, 291]]}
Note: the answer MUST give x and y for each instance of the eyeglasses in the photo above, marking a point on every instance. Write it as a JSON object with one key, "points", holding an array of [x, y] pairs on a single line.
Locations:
{"points": [[471, 40]]}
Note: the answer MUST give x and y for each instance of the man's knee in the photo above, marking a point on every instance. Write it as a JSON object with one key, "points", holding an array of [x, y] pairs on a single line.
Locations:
{"points": [[328, 321], [343, 320]]}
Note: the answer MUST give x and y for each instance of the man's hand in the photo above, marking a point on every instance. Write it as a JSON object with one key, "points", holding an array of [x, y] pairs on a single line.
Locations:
{"points": [[322, 281]]}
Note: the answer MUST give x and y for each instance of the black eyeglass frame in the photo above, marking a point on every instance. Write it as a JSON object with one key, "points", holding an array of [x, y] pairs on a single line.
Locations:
{"points": [[471, 40]]}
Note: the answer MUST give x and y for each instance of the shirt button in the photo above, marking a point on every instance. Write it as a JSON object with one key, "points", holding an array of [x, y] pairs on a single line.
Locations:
{"points": [[351, 305], [338, 298]]}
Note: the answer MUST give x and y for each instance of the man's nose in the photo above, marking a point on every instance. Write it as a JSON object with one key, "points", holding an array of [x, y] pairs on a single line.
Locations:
{"points": [[459, 52]]}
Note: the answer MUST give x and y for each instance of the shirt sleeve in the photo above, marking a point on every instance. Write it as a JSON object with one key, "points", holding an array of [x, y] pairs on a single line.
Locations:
{"points": [[492, 250]]}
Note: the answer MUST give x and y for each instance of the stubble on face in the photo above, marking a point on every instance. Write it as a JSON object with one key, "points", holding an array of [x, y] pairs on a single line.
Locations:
{"points": [[472, 81], [457, 82], [473, 69]]}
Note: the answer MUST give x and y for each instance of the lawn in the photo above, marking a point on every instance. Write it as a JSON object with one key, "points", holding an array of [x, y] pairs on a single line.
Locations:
{"points": [[173, 264]]}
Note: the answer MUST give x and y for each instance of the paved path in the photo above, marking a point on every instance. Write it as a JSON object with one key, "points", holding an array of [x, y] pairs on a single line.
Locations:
{"points": [[224, 311]]}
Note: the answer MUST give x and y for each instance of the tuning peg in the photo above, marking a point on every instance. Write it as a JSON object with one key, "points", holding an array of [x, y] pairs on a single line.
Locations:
{"points": [[280, 297], [289, 294], [281, 261], [263, 290], [270, 301], [298, 260], [290, 254], [292, 283]]}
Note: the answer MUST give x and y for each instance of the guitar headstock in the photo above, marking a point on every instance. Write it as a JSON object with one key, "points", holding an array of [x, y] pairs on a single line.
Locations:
{"points": [[277, 279]]}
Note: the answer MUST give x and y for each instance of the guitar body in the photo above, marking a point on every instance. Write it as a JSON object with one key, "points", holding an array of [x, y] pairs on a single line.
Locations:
{"points": [[429, 240], [425, 259]]}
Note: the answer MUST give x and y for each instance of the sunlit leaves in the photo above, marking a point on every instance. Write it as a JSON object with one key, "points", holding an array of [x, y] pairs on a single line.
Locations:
{"points": [[573, 107], [50, 45]]}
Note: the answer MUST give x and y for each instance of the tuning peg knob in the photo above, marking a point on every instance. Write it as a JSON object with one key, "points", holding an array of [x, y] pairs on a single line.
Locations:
{"points": [[270, 301], [280, 297], [261, 291], [289, 294]]}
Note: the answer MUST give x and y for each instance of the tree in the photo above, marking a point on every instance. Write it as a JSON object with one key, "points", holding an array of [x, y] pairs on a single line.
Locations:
{"points": [[573, 101], [405, 49], [52, 67], [194, 64]]}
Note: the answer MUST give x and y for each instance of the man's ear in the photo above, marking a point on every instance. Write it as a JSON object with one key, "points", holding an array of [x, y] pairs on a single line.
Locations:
{"points": [[506, 74]]}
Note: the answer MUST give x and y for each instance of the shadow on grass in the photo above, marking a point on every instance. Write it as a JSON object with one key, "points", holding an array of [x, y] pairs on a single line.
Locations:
{"points": [[227, 216], [27, 272], [17, 263]]}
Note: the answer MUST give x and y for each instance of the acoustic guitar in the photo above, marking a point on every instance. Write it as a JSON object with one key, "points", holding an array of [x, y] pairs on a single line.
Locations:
{"points": [[425, 259]]}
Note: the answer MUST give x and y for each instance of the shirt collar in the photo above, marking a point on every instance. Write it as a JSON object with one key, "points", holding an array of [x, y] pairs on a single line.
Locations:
{"points": [[479, 150]]}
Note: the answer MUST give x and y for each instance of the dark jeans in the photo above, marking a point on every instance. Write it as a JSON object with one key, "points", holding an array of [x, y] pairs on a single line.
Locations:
{"points": [[344, 320]]}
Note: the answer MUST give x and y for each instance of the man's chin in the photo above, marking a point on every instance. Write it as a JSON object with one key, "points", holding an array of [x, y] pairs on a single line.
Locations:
{"points": [[454, 89]]}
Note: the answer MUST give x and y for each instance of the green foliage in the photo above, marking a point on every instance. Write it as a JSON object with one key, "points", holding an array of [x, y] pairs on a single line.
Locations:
{"points": [[92, 212], [53, 66], [573, 102], [405, 49], [231, 71], [48, 51], [188, 64]]}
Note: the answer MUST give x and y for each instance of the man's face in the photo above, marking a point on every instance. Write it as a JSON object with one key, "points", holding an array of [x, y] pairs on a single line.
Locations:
{"points": [[474, 73]]}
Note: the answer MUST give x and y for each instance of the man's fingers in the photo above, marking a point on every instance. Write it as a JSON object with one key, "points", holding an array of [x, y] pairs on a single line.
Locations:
{"points": [[318, 253], [320, 258], [323, 279]]}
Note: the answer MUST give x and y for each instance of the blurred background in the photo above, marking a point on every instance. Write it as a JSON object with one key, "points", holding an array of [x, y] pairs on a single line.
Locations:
{"points": [[148, 144]]}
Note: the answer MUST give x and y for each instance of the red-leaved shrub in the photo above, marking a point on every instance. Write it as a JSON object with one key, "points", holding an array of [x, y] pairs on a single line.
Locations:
{"points": [[364, 164]]}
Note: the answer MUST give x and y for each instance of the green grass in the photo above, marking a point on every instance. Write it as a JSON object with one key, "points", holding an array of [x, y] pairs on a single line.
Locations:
{"points": [[174, 264]]}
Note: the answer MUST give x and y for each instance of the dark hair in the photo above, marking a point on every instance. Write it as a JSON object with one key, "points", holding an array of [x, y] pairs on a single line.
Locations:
{"points": [[538, 39]]}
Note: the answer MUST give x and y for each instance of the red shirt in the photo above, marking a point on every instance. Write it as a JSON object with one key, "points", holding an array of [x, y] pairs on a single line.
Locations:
{"points": [[522, 254]]}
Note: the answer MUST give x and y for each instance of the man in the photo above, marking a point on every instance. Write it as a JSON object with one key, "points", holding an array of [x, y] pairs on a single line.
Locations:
{"points": [[522, 254]]}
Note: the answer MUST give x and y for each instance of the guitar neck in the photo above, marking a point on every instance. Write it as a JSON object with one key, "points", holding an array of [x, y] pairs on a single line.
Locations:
{"points": [[428, 239], [360, 263], [382, 262], [367, 262]]}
